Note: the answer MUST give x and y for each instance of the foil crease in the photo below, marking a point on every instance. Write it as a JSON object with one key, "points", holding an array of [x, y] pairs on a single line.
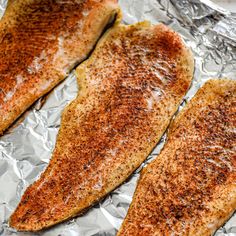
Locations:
{"points": [[25, 150]]}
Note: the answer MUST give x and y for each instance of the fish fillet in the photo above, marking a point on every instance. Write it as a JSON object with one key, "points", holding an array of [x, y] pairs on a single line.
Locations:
{"points": [[130, 88], [190, 189], [40, 42]]}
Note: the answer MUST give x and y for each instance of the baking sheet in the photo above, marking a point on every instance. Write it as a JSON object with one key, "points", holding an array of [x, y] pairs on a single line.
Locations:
{"points": [[26, 148]]}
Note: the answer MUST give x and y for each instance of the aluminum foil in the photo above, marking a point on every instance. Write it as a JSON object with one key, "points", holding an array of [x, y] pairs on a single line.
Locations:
{"points": [[26, 148]]}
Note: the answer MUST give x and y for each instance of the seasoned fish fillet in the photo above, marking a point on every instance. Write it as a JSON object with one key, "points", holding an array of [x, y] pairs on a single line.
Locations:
{"points": [[190, 189], [130, 88], [40, 42]]}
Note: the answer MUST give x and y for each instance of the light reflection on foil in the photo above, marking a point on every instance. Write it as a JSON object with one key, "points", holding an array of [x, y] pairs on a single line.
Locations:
{"points": [[25, 150]]}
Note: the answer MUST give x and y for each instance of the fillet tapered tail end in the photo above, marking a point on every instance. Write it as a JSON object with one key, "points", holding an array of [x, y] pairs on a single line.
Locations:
{"points": [[17, 223], [26, 217]]}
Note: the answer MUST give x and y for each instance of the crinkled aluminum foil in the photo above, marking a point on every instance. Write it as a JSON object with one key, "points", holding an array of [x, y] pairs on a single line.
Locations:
{"points": [[25, 150]]}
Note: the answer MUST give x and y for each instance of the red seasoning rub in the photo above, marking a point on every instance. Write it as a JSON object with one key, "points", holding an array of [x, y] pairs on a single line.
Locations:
{"points": [[130, 88], [40, 42], [190, 189]]}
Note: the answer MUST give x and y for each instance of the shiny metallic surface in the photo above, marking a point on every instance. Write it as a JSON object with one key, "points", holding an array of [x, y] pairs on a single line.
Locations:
{"points": [[26, 148]]}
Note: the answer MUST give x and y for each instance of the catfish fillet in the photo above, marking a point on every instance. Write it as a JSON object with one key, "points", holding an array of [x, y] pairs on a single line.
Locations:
{"points": [[131, 86], [190, 188], [40, 42]]}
